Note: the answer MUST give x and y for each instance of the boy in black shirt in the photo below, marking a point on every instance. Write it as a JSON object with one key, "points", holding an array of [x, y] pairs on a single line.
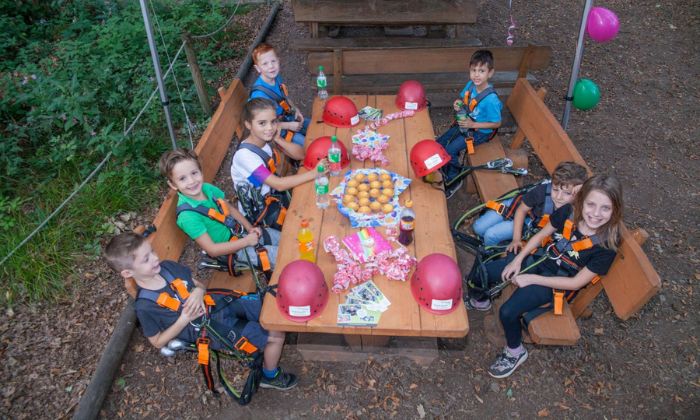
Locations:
{"points": [[170, 303]]}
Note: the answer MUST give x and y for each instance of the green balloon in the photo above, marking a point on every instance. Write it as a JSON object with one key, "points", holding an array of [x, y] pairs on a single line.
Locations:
{"points": [[586, 94]]}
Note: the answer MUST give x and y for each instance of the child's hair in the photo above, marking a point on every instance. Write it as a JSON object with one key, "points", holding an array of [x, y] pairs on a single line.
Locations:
{"points": [[610, 186], [262, 48], [169, 159], [119, 252], [482, 57], [255, 105], [569, 173]]}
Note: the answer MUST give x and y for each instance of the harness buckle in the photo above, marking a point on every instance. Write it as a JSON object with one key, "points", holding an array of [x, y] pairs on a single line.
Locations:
{"points": [[549, 255]]}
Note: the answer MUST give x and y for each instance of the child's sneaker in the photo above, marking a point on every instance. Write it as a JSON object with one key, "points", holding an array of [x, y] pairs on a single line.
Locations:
{"points": [[506, 364], [476, 305], [282, 381]]}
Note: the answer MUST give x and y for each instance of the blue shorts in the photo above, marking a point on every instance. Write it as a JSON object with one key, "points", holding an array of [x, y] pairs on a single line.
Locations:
{"points": [[238, 318]]}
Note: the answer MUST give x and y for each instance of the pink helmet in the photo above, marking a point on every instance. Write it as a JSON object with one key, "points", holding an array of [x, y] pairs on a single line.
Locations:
{"points": [[318, 150], [427, 156], [437, 284], [411, 96], [302, 292], [340, 112]]}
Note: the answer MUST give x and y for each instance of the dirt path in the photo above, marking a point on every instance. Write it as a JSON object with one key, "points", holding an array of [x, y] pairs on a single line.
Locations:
{"points": [[643, 131]]}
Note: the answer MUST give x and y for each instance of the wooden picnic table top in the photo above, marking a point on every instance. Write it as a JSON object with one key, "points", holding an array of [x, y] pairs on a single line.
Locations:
{"points": [[432, 234]]}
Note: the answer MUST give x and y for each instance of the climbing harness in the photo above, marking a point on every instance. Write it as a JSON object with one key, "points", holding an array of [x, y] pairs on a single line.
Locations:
{"points": [[233, 346], [280, 100], [558, 250], [228, 262], [471, 243]]}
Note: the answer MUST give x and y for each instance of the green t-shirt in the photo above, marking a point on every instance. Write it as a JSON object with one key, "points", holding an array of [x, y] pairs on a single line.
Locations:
{"points": [[195, 224]]}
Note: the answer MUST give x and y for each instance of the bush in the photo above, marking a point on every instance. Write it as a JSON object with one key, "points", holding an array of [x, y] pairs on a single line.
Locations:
{"points": [[72, 75]]}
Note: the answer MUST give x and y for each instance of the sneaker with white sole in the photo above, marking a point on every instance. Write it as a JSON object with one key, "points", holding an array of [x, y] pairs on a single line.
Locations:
{"points": [[282, 381], [506, 364], [476, 305]]}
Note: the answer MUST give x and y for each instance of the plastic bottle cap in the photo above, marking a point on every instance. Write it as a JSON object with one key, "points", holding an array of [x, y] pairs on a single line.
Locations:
{"points": [[304, 223], [334, 139], [320, 68], [321, 168], [408, 203]]}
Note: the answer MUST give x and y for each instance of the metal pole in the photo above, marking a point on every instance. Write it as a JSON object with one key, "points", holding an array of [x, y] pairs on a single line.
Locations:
{"points": [[159, 77], [577, 65]]}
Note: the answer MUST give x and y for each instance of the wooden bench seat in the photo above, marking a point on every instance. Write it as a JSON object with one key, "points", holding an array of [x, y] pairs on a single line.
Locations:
{"points": [[631, 280], [381, 70], [169, 240]]}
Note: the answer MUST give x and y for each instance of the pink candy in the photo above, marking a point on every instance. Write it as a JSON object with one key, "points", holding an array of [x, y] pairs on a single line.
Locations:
{"points": [[395, 265], [362, 152], [385, 120]]}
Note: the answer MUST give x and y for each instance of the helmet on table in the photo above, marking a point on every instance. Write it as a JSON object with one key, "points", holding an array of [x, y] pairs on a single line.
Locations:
{"points": [[340, 112], [302, 293], [411, 96], [427, 156], [318, 150], [436, 284]]}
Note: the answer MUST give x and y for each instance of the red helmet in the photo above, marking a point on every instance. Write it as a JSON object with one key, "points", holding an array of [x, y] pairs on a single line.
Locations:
{"points": [[340, 112], [437, 284], [318, 149], [302, 292], [411, 96], [427, 156]]}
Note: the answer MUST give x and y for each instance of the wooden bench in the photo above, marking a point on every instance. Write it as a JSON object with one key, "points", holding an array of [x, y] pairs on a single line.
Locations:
{"points": [[169, 240], [631, 281], [383, 12], [375, 70]]}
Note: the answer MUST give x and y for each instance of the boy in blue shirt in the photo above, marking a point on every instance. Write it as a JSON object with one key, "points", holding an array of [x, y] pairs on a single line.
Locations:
{"points": [[165, 311], [480, 101], [268, 85]]}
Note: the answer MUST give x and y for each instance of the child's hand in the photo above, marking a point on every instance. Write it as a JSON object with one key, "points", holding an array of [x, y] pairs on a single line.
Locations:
{"points": [[252, 238], [196, 299], [514, 246], [466, 123], [523, 280], [294, 126], [298, 116], [191, 312], [512, 269], [324, 163], [457, 104]]}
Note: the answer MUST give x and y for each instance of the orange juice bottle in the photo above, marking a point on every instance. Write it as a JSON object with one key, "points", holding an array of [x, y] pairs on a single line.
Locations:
{"points": [[306, 242]]}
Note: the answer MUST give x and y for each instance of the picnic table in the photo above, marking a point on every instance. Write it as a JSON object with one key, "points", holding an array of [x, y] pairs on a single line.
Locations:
{"points": [[432, 234]]}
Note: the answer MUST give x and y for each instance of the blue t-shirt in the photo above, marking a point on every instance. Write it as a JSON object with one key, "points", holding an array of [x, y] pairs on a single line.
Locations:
{"points": [[275, 88], [488, 110]]}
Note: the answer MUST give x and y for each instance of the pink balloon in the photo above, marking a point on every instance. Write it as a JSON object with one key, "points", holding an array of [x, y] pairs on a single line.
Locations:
{"points": [[602, 25]]}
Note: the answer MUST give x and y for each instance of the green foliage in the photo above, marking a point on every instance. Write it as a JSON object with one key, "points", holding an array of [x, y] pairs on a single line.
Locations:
{"points": [[73, 73]]}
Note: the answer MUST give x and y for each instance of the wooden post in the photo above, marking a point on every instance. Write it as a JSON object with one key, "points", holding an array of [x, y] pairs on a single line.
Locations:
{"points": [[196, 74], [525, 62]]}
